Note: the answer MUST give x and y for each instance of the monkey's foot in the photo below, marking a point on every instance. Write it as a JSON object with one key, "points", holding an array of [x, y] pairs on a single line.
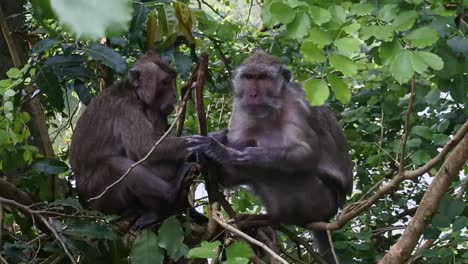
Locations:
{"points": [[145, 221]]}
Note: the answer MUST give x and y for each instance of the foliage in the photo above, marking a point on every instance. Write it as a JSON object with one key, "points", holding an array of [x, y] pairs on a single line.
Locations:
{"points": [[360, 58]]}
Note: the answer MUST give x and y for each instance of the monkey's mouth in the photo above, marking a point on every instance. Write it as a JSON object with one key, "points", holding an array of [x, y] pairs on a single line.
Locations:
{"points": [[257, 110]]}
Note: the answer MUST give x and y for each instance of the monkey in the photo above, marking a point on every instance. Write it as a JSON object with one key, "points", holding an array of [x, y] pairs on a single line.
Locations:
{"points": [[292, 155], [118, 128]]}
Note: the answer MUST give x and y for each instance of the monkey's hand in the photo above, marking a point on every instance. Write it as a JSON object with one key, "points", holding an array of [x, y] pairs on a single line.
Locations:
{"points": [[220, 136], [208, 146], [255, 156]]}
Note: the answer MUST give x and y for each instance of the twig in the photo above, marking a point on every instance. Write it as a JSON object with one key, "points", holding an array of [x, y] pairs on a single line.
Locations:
{"points": [[217, 217], [43, 220], [3, 260], [406, 131], [186, 89], [212, 9], [357, 209], [330, 240], [298, 240], [174, 122]]}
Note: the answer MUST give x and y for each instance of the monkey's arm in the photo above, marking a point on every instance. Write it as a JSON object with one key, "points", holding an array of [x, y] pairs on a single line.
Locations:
{"points": [[292, 157], [138, 137]]}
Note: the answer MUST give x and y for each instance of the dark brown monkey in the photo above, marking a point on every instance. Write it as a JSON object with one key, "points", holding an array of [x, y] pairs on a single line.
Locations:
{"points": [[117, 129], [293, 155]]}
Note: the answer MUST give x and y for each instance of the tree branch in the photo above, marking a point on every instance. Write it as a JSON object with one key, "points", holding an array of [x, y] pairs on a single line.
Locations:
{"points": [[31, 212], [404, 139], [353, 210], [429, 204]]}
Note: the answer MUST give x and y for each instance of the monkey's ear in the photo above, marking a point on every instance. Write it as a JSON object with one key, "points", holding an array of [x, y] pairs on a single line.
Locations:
{"points": [[286, 74], [134, 78]]}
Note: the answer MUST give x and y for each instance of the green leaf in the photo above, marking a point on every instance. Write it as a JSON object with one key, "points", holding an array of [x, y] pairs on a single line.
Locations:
{"points": [[388, 12], [206, 250], [317, 91], [50, 166], [107, 56], [418, 63], [420, 157], [319, 37], [362, 9], [14, 73], [339, 88], [343, 64], [6, 83], [389, 50], [348, 44], [414, 143], [451, 208], [459, 45], [319, 15], [93, 19], [352, 28], [401, 67], [338, 14], [140, 15], [145, 249], [422, 37], [236, 260], [405, 20], [7, 94], [238, 250], [460, 223], [299, 27], [431, 60], [422, 131], [312, 53], [384, 33], [44, 45], [440, 139], [88, 229], [171, 237], [281, 12], [440, 221]]}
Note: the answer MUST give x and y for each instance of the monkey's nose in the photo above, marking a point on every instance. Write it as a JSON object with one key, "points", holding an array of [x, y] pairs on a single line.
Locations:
{"points": [[253, 94]]}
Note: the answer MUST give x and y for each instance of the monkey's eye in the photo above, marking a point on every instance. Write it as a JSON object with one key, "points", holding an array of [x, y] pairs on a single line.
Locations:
{"points": [[248, 76], [262, 76]]}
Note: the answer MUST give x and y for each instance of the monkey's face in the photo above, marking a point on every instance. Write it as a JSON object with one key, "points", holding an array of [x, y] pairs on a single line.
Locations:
{"points": [[258, 89], [154, 84]]}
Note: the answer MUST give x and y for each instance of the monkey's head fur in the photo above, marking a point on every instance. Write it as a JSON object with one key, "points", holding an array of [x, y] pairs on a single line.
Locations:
{"points": [[154, 82], [259, 84]]}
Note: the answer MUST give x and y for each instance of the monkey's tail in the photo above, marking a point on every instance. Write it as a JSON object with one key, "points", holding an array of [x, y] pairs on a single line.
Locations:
{"points": [[323, 244]]}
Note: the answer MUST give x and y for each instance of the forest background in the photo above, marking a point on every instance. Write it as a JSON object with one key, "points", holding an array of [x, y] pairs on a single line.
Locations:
{"points": [[394, 72]]}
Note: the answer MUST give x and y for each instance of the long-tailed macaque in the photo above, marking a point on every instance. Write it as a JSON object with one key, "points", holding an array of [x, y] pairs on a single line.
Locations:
{"points": [[117, 129], [293, 155]]}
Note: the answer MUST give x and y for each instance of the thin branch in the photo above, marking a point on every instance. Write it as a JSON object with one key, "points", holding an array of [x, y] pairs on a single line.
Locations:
{"points": [[217, 216], [3, 260], [330, 240], [213, 9], [298, 240], [25, 208], [447, 173], [174, 122], [406, 132]]}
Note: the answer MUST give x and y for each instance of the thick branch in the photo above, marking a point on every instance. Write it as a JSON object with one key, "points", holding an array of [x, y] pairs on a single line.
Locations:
{"points": [[429, 204]]}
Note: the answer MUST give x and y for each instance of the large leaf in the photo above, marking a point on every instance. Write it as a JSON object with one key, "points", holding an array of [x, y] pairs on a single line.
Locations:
{"points": [[362, 9], [206, 250], [93, 19], [319, 37], [389, 50], [401, 68], [317, 91], [299, 27], [107, 56], [418, 63], [281, 12], [89, 229], [319, 15], [431, 60], [312, 53], [50, 166], [422, 131], [343, 64], [140, 14], [145, 249], [405, 20], [348, 44], [422, 37], [339, 88], [44, 45], [171, 238], [238, 249]]}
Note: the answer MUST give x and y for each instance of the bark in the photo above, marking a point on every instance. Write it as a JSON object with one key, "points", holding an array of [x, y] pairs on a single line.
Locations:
{"points": [[447, 173]]}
